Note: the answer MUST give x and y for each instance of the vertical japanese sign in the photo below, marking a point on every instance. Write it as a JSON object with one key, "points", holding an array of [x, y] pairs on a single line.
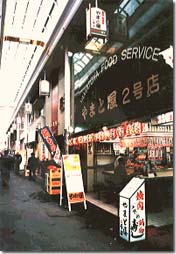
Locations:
{"points": [[96, 22], [137, 215], [54, 150], [73, 178], [124, 218], [132, 212], [51, 143]]}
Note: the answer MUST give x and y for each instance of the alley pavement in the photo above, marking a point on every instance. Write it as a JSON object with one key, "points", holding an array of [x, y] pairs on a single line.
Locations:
{"points": [[33, 221]]}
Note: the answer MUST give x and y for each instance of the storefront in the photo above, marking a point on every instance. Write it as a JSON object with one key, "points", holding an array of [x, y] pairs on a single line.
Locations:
{"points": [[119, 110]]}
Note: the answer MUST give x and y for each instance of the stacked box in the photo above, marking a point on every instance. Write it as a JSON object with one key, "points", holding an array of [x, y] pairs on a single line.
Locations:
{"points": [[54, 181]]}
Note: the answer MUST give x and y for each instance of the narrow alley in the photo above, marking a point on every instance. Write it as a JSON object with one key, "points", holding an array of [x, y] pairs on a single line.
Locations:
{"points": [[30, 220]]}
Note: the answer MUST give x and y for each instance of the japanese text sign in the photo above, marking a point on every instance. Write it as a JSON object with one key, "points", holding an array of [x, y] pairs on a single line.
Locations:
{"points": [[73, 178], [96, 22], [50, 142], [132, 211], [109, 96]]}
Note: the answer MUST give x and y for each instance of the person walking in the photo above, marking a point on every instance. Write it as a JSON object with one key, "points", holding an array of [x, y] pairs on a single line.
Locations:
{"points": [[17, 162], [32, 165], [6, 163]]}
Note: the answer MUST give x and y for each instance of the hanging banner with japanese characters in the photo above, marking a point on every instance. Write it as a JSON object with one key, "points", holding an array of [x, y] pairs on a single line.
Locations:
{"points": [[73, 179], [51, 143], [96, 22], [132, 214], [128, 85]]}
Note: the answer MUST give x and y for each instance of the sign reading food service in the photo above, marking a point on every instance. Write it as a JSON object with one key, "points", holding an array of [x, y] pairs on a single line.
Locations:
{"points": [[73, 178], [133, 83]]}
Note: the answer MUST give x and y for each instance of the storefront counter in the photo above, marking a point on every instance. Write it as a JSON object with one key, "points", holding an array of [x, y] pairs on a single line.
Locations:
{"points": [[159, 188], [108, 172], [164, 173]]}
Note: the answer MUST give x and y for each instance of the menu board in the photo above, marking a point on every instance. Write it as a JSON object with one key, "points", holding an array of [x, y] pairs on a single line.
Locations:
{"points": [[73, 179]]}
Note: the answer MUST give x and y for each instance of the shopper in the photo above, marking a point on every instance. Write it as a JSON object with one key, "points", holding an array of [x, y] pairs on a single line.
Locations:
{"points": [[43, 170], [32, 165], [120, 173], [17, 162], [148, 167], [116, 162], [6, 163]]}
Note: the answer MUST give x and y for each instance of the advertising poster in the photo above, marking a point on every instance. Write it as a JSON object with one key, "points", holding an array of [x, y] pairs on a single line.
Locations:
{"points": [[73, 178], [51, 143]]}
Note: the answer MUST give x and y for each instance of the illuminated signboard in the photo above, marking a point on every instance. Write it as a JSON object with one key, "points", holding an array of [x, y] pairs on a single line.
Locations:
{"points": [[132, 226], [163, 118], [96, 22]]}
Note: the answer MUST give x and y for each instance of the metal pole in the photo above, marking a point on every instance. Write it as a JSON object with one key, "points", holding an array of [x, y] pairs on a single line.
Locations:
{"points": [[96, 3], [67, 94]]}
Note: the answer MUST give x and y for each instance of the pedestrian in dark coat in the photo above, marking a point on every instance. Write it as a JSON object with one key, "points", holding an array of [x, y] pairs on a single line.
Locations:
{"points": [[17, 162], [32, 165], [6, 163], [120, 174]]}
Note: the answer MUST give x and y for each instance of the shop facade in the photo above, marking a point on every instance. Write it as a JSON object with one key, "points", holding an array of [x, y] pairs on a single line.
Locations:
{"points": [[126, 106], [119, 101]]}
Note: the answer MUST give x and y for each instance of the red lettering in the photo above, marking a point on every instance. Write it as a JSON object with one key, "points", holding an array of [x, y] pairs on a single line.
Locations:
{"points": [[141, 222], [45, 133], [140, 195], [140, 205], [52, 145], [141, 230]]}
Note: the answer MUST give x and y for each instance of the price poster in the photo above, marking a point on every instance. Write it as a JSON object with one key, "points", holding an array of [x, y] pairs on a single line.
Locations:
{"points": [[73, 179]]}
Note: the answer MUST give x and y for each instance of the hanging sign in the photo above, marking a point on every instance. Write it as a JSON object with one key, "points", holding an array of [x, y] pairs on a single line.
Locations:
{"points": [[51, 143], [28, 108], [73, 179], [44, 88], [96, 22]]}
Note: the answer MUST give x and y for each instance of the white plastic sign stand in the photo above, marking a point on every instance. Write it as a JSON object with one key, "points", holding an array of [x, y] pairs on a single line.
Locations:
{"points": [[73, 180], [132, 223]]}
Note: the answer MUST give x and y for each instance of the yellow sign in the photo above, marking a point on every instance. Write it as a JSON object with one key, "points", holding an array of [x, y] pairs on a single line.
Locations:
{"points": [[73, 179]]}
